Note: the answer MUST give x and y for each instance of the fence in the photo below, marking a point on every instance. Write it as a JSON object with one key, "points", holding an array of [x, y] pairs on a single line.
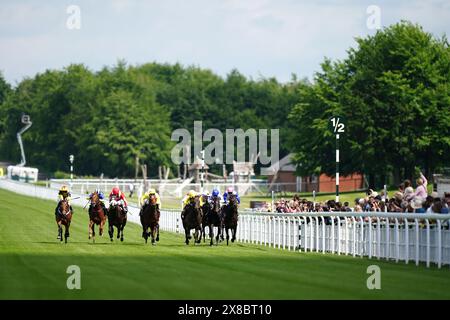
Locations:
{"points": [[168, 222], [178, 188], [405, 237], [391, 236]]}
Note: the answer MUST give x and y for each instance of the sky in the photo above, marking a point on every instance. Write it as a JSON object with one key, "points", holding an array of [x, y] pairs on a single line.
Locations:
{"points": [[260, 38]]}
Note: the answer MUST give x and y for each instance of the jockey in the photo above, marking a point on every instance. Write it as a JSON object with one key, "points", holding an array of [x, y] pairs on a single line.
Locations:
{"points": [[119, 196], [230, 191], [146, 196], [63, 194], [191, 196], [205, 197], [214, 195], [101, 196]]}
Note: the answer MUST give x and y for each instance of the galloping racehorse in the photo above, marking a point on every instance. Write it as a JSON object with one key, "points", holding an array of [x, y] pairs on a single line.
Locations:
{"points": [[150, 219], [64, 217], [96, 216], [116, 218], [205, 219], [192, 219], [213, 219], [230, 217]]}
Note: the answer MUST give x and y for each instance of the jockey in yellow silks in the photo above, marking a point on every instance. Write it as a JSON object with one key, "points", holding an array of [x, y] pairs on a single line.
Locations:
{"points": [[145, 198], [191, 196], [63, 194], [147, 195]]}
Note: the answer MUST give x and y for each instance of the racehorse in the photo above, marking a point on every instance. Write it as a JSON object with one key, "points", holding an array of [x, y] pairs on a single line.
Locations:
{"points": [[64, 217], [192, 219], [205, 219], [97, 216], [230, 217], [116, 218], [150, 219], [212, 218]]}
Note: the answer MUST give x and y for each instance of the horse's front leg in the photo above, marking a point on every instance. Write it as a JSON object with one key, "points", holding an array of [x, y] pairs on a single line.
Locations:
{"points": [[197, 235], [222, 231], [122, 226], [211, 234], [144, 233], [59, 231], [157, 235], [110, 231], [218, 234], [91, 229], [102, 225], [187, 233], [66, 233], [234, 233], [228, 235]]}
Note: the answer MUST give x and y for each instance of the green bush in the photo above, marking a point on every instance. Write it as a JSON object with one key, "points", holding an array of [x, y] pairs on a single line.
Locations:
{"points": [[61, 175]]}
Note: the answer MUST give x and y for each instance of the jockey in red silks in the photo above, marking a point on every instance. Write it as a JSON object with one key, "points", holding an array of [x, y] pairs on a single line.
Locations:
{"points": [[119, 196]]}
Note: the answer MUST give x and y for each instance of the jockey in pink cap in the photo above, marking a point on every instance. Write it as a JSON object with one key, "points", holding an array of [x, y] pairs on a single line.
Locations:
{"points": [[230, 191]]}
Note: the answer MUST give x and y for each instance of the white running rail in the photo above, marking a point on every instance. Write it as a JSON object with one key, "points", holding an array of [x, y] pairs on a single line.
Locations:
{"points": [[403, 237]]}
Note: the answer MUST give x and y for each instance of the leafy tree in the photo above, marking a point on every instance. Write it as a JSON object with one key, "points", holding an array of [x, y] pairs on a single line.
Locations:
{"points": [[393, 89]]}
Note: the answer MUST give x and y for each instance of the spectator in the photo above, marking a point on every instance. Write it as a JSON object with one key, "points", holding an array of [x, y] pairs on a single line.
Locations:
{"points": [[421, 190], [406, 201], [408, 195], [417, 205], [407, 183], [131, 187]]}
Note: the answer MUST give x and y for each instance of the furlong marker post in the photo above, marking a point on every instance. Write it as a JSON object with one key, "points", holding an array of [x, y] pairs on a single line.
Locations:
{"points": [[337, 126], [71, 159], [337, 167]]}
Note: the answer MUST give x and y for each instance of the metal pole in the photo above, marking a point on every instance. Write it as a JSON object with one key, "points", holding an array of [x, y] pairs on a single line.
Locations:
{"points": [[202, 175], [71, 159], [314, 199], [337, 167], [273, 199]]}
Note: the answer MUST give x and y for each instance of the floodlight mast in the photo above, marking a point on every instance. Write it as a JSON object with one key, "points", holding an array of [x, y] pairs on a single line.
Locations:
{"points": [[27, 122]]}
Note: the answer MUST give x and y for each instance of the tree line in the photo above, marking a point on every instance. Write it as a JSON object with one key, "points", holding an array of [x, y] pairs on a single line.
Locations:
{"points": [[393, 88]]}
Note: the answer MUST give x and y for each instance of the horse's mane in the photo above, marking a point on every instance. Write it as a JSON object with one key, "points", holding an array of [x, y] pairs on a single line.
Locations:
{"points": [[64, 206], [216, 205], [95, 198]]}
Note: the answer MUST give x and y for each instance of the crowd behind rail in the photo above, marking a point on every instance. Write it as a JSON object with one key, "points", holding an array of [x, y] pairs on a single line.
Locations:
{"points": [[404, 200]]}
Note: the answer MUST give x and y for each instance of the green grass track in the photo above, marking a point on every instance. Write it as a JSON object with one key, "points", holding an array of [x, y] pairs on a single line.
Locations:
{"points": [[33, 265]]}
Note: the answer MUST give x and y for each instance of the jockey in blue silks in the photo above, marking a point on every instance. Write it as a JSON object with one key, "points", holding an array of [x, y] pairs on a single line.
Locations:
{"points": [[230, 191], [214, 195]]}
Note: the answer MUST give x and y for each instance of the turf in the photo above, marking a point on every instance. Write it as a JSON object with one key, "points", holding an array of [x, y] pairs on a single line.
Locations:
{"points": [[33, 265]]}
